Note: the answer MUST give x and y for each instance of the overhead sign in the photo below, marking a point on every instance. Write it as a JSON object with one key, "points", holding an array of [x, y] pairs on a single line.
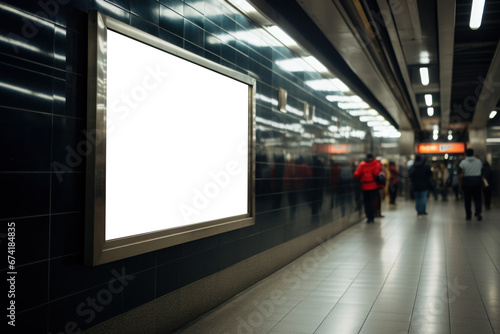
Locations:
{"points": [[440, 148]]}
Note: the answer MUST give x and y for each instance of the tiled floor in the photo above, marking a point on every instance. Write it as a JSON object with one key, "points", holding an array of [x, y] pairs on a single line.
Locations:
{"points": [[439, 274]]}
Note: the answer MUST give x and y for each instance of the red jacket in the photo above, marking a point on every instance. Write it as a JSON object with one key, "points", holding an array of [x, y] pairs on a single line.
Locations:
{"points": [[366, 172]]}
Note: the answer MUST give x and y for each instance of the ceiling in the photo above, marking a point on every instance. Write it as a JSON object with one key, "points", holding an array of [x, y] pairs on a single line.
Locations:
{"points": [[378, 46]]}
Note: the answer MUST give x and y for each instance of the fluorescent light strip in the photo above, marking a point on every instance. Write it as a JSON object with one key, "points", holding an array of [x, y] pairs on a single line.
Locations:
{"points": [[424, 76], [315, 63], [493, 114], [430, 111], [476, 14], [327, 85], [353, 105], [428, 99], [243, 6], [281, 36], [378, 123], [343, 98], [368, 112], [295, 65], [371, 118], [340, 85]]}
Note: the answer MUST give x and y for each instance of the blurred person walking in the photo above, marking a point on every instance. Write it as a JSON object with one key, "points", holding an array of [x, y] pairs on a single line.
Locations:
{"points": [[455, 182], [393, 182], [366, 173], [472, 181], [420, 175], [488, 185], [443, 182]]}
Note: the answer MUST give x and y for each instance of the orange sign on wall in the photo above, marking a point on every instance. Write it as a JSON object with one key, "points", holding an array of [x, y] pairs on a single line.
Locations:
{"points": [[441, 148], [332, 148]]}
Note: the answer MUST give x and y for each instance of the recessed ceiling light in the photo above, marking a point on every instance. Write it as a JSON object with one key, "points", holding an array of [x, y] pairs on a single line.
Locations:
{"points": [[424, 76], [476, 14], [428, 99]]}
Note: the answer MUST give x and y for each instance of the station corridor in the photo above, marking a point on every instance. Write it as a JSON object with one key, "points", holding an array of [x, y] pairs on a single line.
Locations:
{"points": [[438, 274]]}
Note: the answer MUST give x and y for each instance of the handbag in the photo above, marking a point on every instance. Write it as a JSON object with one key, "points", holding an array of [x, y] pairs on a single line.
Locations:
{"points": [[380, 178]]}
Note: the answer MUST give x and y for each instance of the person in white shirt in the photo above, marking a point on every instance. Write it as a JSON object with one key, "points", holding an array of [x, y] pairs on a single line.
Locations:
{"points": [[472, 181]]}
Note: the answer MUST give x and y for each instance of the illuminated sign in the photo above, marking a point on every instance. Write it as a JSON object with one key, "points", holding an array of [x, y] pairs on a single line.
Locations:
{"points": [[332, 148], [428, 148], [172, 160]]}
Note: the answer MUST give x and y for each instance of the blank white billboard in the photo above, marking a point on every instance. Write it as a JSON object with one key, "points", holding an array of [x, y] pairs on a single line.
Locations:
{"points": [[176, 144], [174, 163]]}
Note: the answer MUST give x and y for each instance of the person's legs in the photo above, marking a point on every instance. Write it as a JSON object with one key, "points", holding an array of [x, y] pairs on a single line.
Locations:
{"points": [[423, 204], [487, 197], [393, 189], [476, 195], [467, 201], [444, 193], [418, 200], [369, 204], [378, 203]]}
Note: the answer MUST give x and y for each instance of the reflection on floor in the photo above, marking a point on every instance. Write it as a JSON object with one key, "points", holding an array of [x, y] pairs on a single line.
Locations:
{"points": [[438, 274]]}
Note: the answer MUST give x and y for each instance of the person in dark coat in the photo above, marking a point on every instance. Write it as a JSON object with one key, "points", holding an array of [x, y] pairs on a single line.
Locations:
{"points": [[488, 186], [472, 182], [393, 182], [420, 174], [365, 173]]}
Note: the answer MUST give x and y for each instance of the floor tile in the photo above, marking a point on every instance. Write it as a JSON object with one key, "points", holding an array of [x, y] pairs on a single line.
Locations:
{"points": [[400, 275]]}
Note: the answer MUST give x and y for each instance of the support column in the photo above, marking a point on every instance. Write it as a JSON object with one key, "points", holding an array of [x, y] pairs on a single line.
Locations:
{"points": [[477, 141], [407, 143], [406, 151]]}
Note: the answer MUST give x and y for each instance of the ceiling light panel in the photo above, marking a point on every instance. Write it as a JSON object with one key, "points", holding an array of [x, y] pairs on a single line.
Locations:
{"points": [[428, 99], [424, 75]]}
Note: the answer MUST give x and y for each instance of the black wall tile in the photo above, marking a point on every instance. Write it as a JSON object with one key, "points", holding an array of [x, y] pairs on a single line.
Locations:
{"points": [[70, 95], [69, 47], [25, 243], [149, 10], [31, 35], [194, 16], [85, 309], [25, 138], [171, 21], [28, 194], [140, 290], [68, 192], [25, 89], [171, 38], [31, 288], [144, 25], [32, 321], [168, 278], [175, 5], [70, 146], [193, 33], [67, 233], [69, 275]]}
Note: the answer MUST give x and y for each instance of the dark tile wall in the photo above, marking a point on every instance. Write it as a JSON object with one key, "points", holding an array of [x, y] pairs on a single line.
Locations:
{"points": [[43, 57]]}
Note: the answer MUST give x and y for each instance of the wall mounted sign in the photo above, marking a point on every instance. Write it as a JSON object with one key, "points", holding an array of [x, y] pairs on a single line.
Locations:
{"points": [[440, 148], [172, 158]]}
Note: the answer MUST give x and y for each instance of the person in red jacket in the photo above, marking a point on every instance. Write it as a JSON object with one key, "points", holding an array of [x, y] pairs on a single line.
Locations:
{"points": [[366, 173]]}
